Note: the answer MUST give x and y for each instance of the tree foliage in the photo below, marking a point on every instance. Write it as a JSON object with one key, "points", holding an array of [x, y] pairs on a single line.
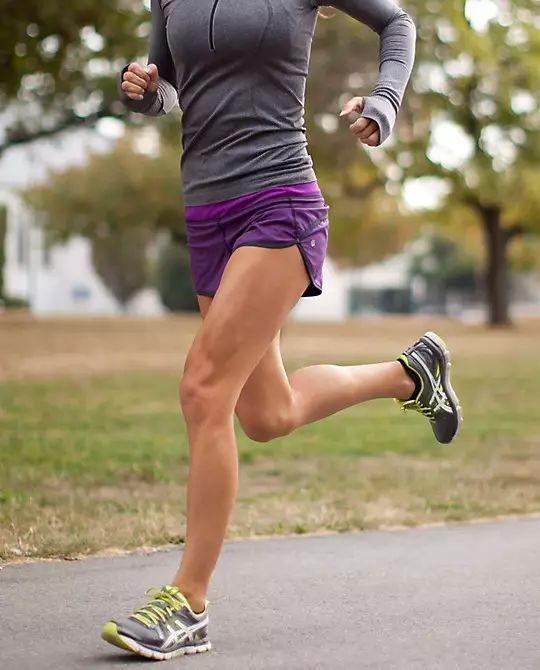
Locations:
{"points": [[173, 279], [121, 261], [474, 93], [59, 61], [118, 201]]}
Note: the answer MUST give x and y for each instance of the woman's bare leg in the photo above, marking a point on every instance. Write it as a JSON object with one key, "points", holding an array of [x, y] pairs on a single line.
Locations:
{"points": [[258, 289], [235, 364], [273, 403]]}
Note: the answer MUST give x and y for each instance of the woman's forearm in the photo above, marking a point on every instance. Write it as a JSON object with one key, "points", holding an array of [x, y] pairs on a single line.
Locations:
{"points": [[397, 36], [396, 59]]}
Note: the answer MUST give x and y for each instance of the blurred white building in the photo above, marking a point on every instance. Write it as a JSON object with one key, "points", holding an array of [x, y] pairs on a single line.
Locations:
{"points": [[383, 286]]}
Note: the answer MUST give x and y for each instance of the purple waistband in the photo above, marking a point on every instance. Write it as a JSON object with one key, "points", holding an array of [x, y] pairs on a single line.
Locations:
{"points": [[220, 210]]}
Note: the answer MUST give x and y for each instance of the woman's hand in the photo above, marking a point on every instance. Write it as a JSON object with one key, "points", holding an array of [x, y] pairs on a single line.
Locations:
{"points": [[366, 130], [137, 80]]}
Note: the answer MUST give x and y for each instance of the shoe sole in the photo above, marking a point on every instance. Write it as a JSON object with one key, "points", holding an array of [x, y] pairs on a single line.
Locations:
{"points": [[111, 635], [442, 349]]}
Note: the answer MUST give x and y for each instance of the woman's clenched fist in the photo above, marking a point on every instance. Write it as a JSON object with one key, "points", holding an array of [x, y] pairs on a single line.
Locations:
{"points": [[366, 130], [137, 80]]}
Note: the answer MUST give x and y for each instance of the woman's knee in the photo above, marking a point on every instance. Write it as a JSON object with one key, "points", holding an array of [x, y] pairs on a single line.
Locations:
{"points": [[202, 392], [192, 395], [266, 426]]}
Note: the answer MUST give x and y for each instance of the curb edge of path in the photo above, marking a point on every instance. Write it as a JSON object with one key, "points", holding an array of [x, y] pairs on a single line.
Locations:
{"points": [[113, 552]]}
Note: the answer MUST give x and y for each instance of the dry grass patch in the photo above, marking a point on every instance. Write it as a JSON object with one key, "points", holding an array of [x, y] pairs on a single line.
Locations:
{"points": [[93, 460]]}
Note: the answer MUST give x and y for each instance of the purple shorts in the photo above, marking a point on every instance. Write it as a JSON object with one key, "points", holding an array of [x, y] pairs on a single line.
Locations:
{"points": [[276, 217]]}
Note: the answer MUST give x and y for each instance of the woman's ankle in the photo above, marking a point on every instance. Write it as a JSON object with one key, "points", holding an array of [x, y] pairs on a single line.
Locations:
{"points": [[195, 596]]}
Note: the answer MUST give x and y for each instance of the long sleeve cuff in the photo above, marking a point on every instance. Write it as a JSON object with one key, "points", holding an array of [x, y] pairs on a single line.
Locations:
{"points": [[397, 47], [382, 112]]}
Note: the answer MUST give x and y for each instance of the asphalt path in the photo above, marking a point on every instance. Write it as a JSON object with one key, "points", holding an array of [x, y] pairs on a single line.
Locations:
{"points": [[463, 597]]}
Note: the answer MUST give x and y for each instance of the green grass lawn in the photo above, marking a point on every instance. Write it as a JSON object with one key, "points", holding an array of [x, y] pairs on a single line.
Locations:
{"points": [[100, 461]]}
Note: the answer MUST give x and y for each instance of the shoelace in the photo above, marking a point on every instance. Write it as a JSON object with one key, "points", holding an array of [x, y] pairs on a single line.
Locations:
{"points": [[417, 406], [152, 613]]}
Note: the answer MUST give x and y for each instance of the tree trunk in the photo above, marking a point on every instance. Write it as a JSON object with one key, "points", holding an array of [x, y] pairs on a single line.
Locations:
{"points": [[497, 279]]}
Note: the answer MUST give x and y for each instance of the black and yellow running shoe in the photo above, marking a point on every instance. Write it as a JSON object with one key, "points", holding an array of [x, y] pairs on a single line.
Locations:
{"points": [[428, 363], [164, 628]]}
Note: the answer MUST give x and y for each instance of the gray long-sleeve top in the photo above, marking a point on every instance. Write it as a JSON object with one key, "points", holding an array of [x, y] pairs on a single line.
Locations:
{"points": [[238, 69]]}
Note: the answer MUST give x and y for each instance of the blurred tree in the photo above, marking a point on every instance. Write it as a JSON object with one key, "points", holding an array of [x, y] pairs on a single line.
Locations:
{"points": [[173, 279], [113, 191], [120, 259], [471, 119], [59, 62], [118, 201]]}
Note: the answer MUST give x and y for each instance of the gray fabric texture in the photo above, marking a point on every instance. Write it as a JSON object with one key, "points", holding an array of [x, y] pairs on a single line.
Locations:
{"points": [[238, 69]]}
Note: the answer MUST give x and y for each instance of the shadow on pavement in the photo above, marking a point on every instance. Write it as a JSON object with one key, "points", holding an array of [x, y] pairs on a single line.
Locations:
{"points": [[112, 660]]}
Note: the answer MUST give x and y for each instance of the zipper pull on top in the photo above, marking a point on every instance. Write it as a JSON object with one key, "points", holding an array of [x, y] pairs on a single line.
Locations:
{"points": [[211, 39]]}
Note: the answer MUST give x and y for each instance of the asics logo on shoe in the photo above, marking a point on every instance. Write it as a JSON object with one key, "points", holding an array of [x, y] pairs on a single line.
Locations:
{"points": [[182, 633], [438, 391]]}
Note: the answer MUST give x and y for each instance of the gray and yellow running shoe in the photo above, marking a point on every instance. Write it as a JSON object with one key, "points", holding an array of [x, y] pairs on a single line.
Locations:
{"points": [[164, 628], [428, 363]]}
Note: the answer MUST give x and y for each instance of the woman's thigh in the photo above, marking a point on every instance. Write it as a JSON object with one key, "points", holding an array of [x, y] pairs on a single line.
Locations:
{"points": [[241, 323], [267, 388]]}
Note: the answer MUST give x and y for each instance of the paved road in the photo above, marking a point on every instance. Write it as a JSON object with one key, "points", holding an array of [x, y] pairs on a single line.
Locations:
{"points": [[455, 598]]}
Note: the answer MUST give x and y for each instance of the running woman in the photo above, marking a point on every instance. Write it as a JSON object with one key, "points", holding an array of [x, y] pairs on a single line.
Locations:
{"points": [[257, 229]]}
